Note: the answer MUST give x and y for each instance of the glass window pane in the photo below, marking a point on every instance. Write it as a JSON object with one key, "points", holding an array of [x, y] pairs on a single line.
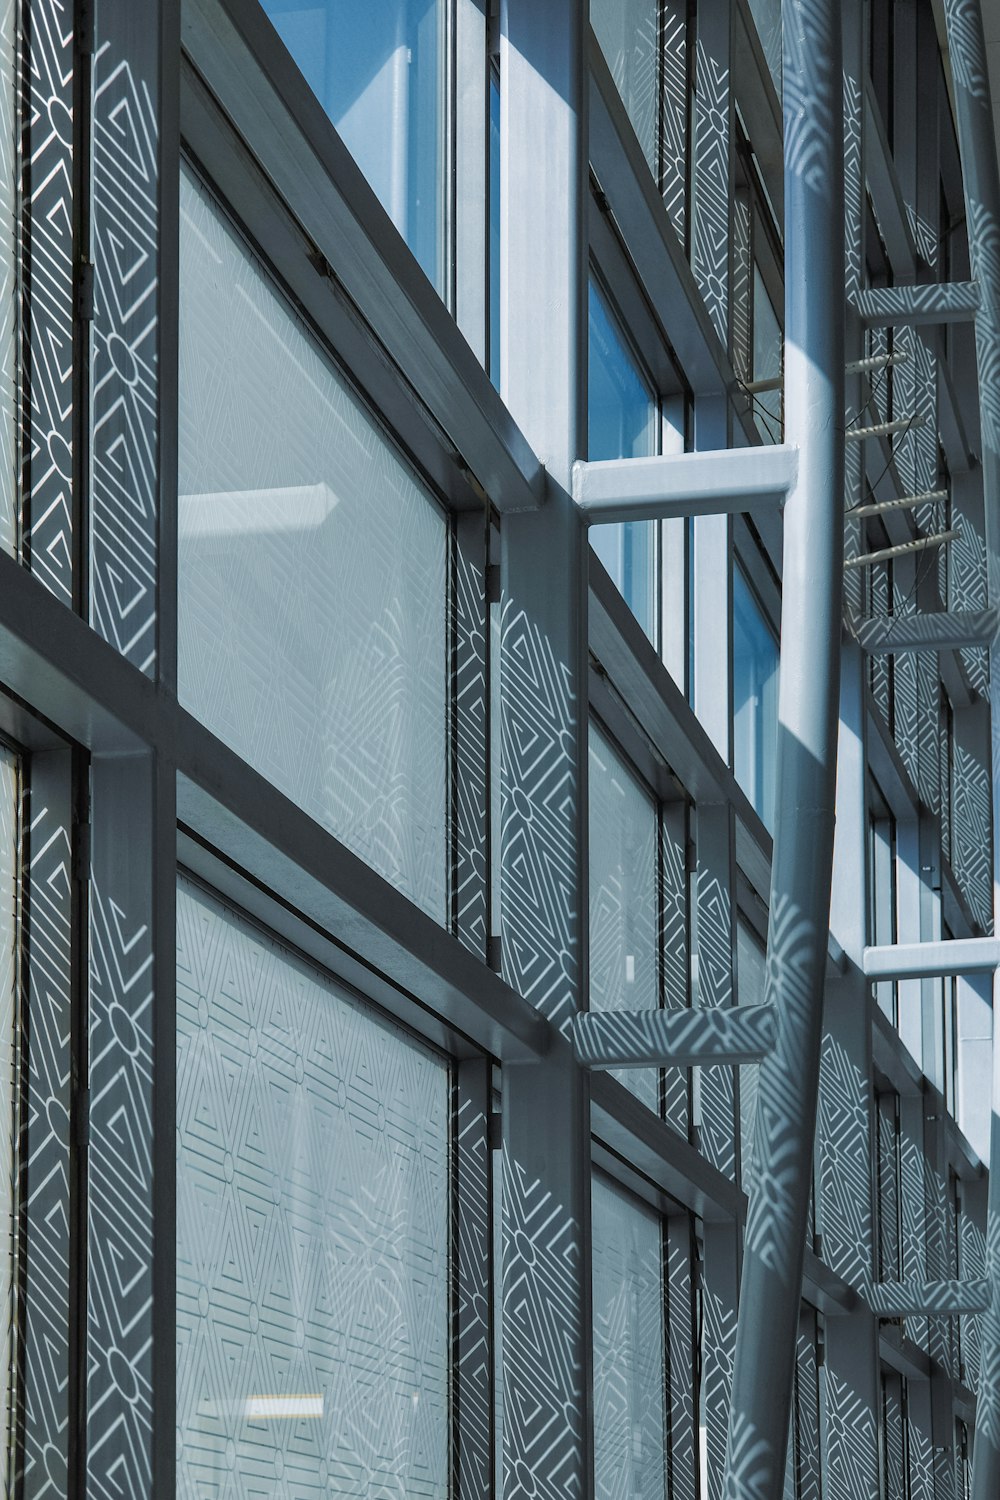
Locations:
{"points": [[9, 980], [494, 252], [621, 424], [627, 32], [378, 69], [767, 19], [9, 12], [629, 1363], [750, 989], [311, 572], [755, 700], [767, 351], [312, 1229], [623, 898]]}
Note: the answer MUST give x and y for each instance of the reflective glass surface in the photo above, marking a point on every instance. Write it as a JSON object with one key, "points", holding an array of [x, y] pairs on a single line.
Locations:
{"points": [[627, 31], [312, 1230], [755, 699], [621, 424], [623, 898], [629, 1357], [311, 571], [766, 361], [9, 860], [378, 69], [9, 12]]}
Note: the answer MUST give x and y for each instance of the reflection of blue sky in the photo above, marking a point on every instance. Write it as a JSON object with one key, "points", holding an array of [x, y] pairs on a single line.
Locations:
{"points": [[376, 68]]}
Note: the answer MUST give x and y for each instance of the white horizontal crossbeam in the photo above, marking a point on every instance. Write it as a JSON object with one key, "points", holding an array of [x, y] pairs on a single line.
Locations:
{"points": [[928, 1299], [681, 1038], [946, 630], [931, 302], [932, 960], [724, 481]]}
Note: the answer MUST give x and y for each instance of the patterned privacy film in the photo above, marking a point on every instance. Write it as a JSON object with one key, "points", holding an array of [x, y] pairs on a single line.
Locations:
{"points": [[312, 1230], [8, 276], [629, 1353], [750, 991], [9, 856], [312, 571], [628, 33], [623, 898]]}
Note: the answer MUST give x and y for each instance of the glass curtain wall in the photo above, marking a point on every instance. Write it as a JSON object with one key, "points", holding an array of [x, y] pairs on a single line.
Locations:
{"points": [[622, 423], [312, 571], [755, 699], [9, 1020], [630, 1436], [313, 1171], [379, 72], [623, 898], [628, 33], [9, 12]]}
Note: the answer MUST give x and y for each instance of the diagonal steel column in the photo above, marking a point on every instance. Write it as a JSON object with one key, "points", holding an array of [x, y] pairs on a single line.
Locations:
{"points": [[981, 184], [771, 1282]]}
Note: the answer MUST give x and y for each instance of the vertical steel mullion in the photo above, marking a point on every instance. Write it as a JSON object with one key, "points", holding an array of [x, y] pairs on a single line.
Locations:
{"points": [[473, 1362], [812, 607]]}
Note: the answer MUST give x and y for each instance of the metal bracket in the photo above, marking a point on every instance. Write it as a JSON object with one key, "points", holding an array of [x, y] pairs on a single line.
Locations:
{"points": [[674, 1038]]}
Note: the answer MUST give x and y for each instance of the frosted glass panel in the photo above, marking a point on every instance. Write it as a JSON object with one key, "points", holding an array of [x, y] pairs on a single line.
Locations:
{"points": [[312, 1230], [621, 423], [9, 11], [9, 858], [755, 700], [623, 898], [311, 572], [750, 990], [378, 71], [627, 31], [629, 1364], [767, 352]]}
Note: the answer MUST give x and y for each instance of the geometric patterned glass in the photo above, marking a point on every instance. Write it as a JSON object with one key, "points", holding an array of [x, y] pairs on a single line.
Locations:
{"points": [[623, 898], [9, 15], [312, 571], [628, 31], [313, 1288], [9, 980], [629, 1353], [378, 69]]}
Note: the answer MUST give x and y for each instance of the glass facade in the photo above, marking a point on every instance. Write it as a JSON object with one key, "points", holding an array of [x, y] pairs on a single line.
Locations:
{"points": [[312, 1229], [630, 1436], [623, 897], [312, 571], [622, 416], [379, 71], [755, 699], [330, 798]]}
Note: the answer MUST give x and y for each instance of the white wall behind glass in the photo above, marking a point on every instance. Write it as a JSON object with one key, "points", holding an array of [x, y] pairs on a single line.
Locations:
{"points": [[621, 423], [755, 700], [623, 898], [313, 1286], [378, 69], [311, 571], [630, 1440]]}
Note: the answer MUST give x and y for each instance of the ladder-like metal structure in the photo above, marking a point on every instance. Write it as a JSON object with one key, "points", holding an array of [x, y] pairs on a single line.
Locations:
{"points": [[805, 477]]}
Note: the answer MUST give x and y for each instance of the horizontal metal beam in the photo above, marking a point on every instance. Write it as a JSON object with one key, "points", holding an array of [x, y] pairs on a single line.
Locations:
{"points": [[905, 502], [675, 1038], [730, 480], [932, 960], [948, 630], [928, 1299], [916, 306], [903, 549]]}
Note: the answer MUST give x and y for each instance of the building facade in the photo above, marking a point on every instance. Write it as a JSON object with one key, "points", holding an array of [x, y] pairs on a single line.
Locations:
{"points": [[413, 419]]}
